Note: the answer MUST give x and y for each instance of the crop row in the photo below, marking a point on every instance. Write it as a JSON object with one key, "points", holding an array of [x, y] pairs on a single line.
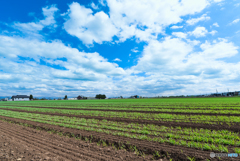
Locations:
{"points": [[205, 119], [181, 110], [160, 107], [216, 144]]}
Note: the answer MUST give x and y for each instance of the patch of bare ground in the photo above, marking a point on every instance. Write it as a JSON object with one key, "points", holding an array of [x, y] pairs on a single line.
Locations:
{"points": [[25, 143], [71, 146]]}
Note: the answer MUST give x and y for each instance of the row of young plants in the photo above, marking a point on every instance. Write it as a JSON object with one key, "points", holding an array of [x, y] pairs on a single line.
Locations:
{"points": [[159, 107], [180, 110], [146, 128], [126, 103], [205, 119], [216, 144]]}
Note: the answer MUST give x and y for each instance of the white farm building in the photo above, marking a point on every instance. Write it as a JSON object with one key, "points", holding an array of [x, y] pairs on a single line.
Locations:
{"points": [[21, 98]]}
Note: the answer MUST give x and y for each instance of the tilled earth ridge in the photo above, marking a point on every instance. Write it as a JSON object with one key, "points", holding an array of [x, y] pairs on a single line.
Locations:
{"points": [[176, 152], [222, 126], [24, 143]]}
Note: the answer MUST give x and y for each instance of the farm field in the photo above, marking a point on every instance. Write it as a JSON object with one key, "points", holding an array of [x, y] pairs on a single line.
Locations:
{"points": [[142, 129]]}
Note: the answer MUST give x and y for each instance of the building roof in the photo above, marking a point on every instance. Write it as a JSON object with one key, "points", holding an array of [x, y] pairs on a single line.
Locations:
{"points": [[20, 96]]}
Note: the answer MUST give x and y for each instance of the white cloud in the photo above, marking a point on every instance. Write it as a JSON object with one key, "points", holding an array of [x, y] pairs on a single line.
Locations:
{"points": [[126, 19], [235, 21], [130, 18], [76, 61], [181, 69], [216, 24], [88, 27], [176, 27], [102, 2], [180, 35], [94, 6], [117, 59], [32, 27], [193, 21], [134, 50], [218, 0], [162, 55], [213, 32], [218, 49], [199, 32], [237, 4]]}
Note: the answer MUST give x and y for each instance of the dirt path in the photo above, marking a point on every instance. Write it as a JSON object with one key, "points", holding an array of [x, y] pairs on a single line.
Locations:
{"points": [[24, 143]]}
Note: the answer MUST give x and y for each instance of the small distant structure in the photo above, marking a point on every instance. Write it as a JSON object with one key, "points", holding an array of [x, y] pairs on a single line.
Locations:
{"points": [[91, 98], [72, 99], [21, 98]]}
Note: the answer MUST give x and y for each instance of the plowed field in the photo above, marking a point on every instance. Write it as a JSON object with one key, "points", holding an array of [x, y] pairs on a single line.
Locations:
{"points": [[137, 129]]}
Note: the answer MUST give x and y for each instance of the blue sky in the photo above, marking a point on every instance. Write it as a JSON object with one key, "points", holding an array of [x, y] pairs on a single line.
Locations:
{"points": [[119, 48]]}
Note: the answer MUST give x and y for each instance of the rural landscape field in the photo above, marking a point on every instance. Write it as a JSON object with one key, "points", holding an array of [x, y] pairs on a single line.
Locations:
{"points": [[128, 129]]}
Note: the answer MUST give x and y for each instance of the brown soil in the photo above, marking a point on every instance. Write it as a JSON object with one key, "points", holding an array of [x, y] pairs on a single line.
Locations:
{"points": [[75, 149], [24, 143]]}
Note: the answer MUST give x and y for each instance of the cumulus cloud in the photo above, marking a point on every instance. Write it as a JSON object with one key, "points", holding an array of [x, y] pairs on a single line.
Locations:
{"points": [[89, 27], [199, 32], [180, 35], [218, 49], [135, 50], [216, 24], [235, 21], [170, 65], [117, 59], [94, 6], [213, 32], [176, 65], [76, 61], [31, 27], [176, 27], [161, 55], [127, 19], [193, 21]]}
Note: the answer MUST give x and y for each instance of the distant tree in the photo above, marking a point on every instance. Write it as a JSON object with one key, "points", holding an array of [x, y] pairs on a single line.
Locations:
{"points": [[31, 97], [100, 96], [121, 97], [65, 97], [79, 97]]}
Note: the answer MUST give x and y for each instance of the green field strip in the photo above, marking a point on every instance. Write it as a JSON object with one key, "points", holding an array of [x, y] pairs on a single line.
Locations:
{"points": [[148, 110], [205, 119], [221, 136], [176, 140], [144, 108]]}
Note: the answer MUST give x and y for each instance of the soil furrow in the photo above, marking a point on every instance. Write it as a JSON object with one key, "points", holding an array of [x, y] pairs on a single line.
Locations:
{"points": [[30, 149], [177, 152], [87, 154], [56, 150]]}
